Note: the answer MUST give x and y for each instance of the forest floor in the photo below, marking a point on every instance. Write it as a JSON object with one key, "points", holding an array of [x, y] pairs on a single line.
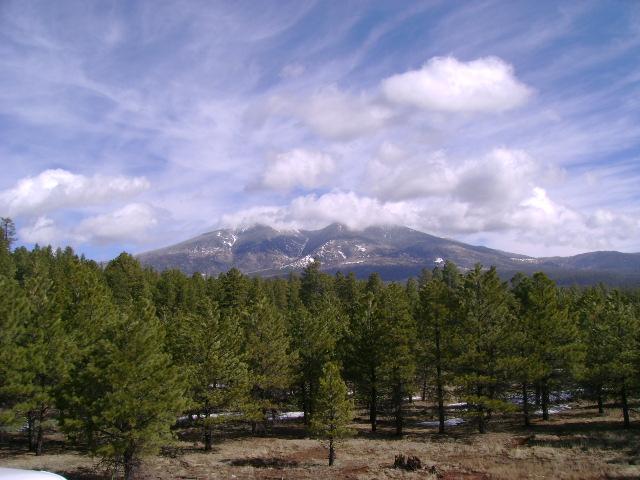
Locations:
{"points": [[575, 444]]}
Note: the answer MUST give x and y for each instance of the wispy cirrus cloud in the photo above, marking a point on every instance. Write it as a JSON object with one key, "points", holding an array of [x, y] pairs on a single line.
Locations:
{"points": [[512, 125]]}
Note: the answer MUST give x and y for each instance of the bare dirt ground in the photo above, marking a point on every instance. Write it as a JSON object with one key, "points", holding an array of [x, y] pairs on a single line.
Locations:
{"points": [[575, 444]]}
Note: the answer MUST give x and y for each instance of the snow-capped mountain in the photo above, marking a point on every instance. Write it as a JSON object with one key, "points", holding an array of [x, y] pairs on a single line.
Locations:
{"points": [[394, 252]]}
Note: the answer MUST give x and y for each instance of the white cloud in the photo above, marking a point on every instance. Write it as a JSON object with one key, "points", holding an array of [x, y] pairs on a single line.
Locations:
{"points": [[312, 211], [535, 218], [43, 232], [56, 189], [129, 224], [335, 114], [298, 168], [500, 177], [446, 84]]}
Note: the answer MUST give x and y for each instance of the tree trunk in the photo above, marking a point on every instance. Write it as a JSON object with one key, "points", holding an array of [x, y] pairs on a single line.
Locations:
{"points": [[129, 464], [439, 386], [207, 437], [39, 438], [600, 402], [373, 409], [538, 403], [398, 397], [625, 407], [545, 402], [424, 389], [482, 427], [332, 452], [305, 403], [525, 405], [30, 431]]}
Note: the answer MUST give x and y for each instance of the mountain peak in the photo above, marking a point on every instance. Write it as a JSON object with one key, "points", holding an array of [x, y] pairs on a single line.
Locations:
{"points": [[395, 252]]}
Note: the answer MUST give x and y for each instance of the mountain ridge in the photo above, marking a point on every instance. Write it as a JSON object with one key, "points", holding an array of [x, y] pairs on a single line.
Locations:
{"points": [[394, 251]]}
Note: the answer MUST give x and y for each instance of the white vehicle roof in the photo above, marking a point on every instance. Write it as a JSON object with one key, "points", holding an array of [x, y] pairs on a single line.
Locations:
{"points": [[19, 474]]}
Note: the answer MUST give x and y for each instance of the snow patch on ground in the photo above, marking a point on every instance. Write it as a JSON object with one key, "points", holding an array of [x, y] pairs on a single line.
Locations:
{"points": [[289, 415], [450, 422]]}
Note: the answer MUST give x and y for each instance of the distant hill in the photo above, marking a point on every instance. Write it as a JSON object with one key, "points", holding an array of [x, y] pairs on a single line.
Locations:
{"points": [[395, 252]]}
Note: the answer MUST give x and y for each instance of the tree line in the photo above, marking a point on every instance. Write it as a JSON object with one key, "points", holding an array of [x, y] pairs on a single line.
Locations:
{"points": [[116, 354]]}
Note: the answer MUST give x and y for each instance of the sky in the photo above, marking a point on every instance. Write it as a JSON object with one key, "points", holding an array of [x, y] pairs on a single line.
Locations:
{"points": [[135, 125]]}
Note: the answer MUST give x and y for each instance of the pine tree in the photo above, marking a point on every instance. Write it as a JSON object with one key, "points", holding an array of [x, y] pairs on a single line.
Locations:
{"points": [[594, 335], [269, 357], [366, 355], [399, 337], [334, 409], [14, 315], [42, 358], [126, 396], [439, 306], [623, 338], [127, 280], [481, 343], [553, 351], [218, 380], [7, 232]]}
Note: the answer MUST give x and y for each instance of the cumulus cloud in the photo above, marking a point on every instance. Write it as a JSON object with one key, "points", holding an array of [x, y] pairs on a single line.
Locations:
{"points": [[534, 218], [443, 84], [298, 168], [335, 114], [446, 84], [129, 224], [54, 189], [313, 211], [499, 177]]}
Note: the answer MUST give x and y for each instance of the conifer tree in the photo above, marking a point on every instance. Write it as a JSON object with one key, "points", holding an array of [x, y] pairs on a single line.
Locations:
{"points": [[554, 351], [366, 355], [269, 357], [126, 396], [623, 338], [481, 343], [218, 380], [399, 337], [42, 358], [595, 332], [334, 409], [439, 306], [127, 280], [14, 315]]}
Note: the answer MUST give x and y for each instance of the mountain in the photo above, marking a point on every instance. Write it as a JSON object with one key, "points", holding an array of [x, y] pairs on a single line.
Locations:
{"points": [[395, 252]]}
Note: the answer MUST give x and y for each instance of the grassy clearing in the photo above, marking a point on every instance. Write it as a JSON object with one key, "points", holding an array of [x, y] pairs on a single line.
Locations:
{"points": [[575, 444]]}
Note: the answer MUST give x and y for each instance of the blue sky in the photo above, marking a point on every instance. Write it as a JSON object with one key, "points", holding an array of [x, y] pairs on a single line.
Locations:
{"points": [[133, 125]]}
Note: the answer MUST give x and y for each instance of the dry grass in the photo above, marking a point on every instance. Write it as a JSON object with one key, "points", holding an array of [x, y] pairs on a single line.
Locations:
{"points": [[576, 444]]}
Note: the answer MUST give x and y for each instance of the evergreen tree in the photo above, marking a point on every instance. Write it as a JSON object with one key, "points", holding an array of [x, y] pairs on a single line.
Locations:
{"points": [[269, 357], [439, 306], [218, 381], [127, 280], [128, 394], [623, 337], [366, 355], [595, 333], [14, 315], [480, 353], [42, 356], [334, 409], [7, 232], [553, 349], [399, 337]]}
